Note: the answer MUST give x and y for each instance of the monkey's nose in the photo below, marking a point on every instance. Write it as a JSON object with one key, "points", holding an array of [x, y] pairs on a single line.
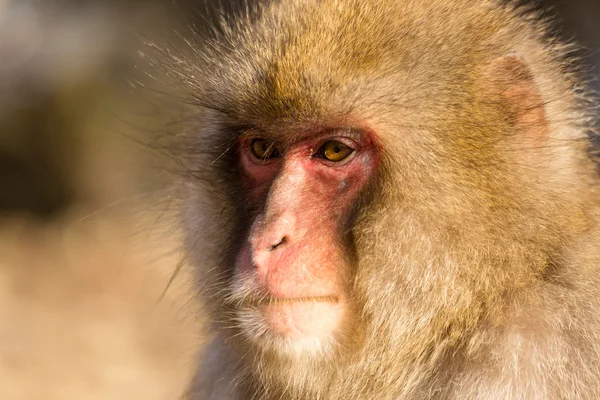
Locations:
{"points": [[282, 241]]}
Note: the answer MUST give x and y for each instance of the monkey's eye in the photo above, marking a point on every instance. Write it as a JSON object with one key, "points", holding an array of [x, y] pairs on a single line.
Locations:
{"points": [[263, 150], [334, 151]]}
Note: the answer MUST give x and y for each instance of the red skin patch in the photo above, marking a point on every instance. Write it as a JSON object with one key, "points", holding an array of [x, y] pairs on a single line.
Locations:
{"points": [[293, 248]]}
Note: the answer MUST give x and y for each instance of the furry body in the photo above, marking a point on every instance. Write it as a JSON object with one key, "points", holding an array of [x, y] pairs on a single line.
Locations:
{"points": [[476, 245]]}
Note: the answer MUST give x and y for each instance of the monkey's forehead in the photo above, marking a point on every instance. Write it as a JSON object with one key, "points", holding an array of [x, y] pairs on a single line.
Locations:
{"points": [[300, 60]]}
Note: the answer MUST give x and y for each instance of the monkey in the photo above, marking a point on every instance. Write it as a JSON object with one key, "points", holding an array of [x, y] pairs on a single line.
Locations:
{"points": [[391, 200]]}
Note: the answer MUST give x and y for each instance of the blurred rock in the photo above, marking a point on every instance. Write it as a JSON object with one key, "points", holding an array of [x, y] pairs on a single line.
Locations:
{"points": [[83, 316]]}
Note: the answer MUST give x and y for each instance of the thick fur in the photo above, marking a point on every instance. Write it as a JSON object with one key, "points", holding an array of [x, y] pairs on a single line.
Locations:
{"points": [[478, 256]]}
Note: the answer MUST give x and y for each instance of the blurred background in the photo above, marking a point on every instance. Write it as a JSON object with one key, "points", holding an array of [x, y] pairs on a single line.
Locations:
{"points": [[86, 255]]}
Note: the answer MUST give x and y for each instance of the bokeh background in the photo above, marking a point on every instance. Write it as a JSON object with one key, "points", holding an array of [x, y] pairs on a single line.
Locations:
{"points": [[88, 249]]}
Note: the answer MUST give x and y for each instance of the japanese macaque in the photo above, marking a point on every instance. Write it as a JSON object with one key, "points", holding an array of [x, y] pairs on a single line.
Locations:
{"points": [[392, 200]]}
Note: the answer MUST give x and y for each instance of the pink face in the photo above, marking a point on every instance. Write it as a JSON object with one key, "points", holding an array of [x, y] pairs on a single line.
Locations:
{"points": [[293, 271]]}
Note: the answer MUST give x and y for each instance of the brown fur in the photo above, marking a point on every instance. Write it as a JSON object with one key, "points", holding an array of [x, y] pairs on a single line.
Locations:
{"points": [[477, 257]]}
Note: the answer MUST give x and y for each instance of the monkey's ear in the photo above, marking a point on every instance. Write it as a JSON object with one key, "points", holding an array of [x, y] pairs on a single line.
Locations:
{"points": [[514, 85]]}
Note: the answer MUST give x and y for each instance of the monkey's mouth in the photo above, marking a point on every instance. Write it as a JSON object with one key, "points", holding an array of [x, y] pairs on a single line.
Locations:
{"points": [[293, 319], [267, 301]]}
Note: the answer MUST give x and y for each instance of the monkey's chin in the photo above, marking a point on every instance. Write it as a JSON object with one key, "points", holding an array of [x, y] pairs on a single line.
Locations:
{"points": [[304, 325]]}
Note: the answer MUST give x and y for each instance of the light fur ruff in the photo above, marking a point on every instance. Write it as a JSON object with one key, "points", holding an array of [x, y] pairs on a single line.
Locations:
{"points": [[478, 255]]}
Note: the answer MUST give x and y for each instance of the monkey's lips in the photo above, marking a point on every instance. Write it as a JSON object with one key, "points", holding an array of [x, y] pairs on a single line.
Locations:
{"points": [[301, 317], [274, 300]]}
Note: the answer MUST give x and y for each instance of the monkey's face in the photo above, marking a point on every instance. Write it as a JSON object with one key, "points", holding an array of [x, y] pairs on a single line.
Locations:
{"points": [[292, 274]]}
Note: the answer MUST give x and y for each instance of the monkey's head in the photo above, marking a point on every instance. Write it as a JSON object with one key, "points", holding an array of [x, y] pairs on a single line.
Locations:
{"points": [[376, 175]]}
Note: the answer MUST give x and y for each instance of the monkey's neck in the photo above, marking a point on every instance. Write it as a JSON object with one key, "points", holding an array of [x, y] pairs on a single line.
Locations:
{"points": [[362, 375]]}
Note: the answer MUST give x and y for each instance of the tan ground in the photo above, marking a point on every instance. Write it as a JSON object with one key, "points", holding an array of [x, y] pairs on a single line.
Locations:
{"points": [[81, 315]]}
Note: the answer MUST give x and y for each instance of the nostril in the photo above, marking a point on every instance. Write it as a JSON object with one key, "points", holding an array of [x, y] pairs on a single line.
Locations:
{"points": [[276, 245]]}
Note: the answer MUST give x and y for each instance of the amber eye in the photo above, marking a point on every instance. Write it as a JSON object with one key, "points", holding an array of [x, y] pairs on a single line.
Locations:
{"points": [[334, 151], [263, 150]]}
